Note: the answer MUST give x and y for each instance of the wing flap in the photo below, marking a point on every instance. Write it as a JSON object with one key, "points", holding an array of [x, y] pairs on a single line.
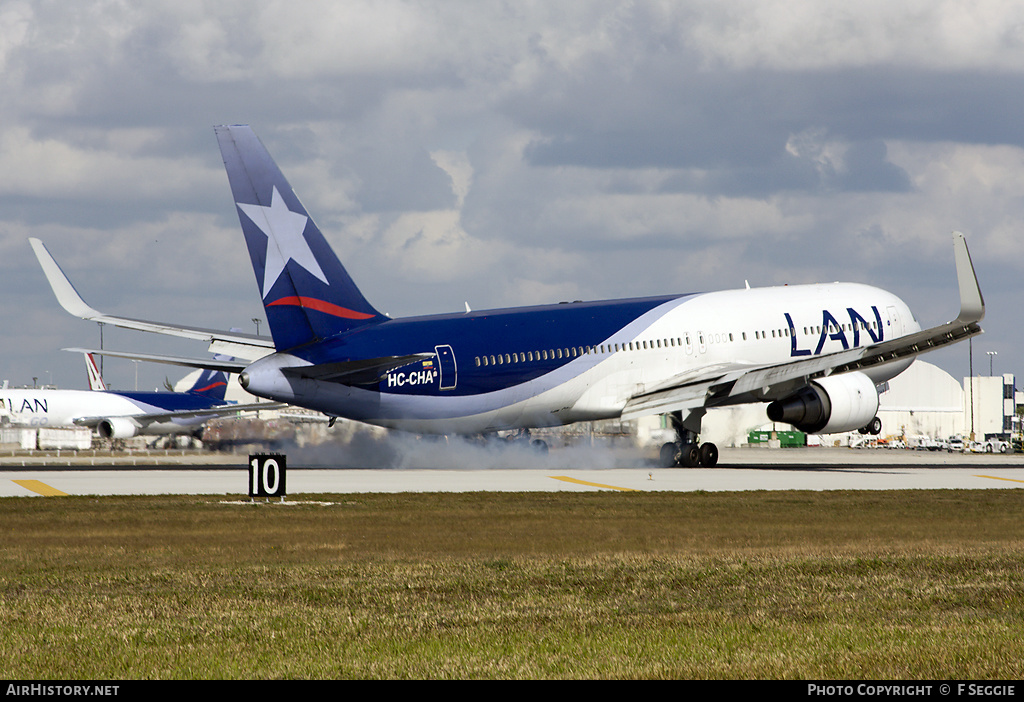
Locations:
{"points": [[683, 397]]}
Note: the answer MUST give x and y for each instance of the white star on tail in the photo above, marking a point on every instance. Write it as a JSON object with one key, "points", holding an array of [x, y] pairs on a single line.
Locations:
{"points": [[284, 239]]}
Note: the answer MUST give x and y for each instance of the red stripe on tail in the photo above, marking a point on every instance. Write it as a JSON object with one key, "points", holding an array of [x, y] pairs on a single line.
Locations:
{"points": [[312, 303]]}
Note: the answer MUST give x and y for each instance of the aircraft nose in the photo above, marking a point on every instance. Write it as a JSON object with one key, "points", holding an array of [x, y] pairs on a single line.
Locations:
{"points": [[243, 380]]}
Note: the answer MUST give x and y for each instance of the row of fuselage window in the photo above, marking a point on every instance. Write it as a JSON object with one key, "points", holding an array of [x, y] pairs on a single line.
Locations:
{"points": [[815, 331], [576, 351]]}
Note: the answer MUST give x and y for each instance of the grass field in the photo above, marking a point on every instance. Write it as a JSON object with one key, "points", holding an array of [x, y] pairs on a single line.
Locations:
{"points": [[851, 585]]}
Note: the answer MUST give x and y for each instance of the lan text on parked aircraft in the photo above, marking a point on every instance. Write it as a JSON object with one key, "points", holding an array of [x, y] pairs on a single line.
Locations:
{"points": [[816, 354], [122, 414]]}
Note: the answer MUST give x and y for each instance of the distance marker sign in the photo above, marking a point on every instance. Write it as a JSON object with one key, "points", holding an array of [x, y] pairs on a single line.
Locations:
{"points": [[267, 475]]}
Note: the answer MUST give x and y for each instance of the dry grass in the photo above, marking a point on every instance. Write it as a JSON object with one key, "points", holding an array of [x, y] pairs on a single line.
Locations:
{"points": [[845, 585]]}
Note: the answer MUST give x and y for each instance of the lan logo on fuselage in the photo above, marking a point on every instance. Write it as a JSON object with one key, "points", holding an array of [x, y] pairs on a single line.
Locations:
{"points": [[27, 405], [832, 329]]}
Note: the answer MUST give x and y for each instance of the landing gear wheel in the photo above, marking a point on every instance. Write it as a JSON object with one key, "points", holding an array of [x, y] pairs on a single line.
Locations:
{"points": [[875, 426], [669, 456], [690, 456], [539, 446], [709, 455]]}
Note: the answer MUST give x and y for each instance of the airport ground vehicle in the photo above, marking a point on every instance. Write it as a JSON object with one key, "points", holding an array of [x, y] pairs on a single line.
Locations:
{"points": [[995, 445]]}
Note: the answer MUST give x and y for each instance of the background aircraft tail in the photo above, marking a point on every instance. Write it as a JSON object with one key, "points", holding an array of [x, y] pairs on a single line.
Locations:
{"points": [[211, 384], [95, 378], [307, 293]]}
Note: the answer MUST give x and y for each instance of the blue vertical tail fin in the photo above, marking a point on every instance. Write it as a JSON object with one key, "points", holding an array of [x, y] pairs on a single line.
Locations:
{"points": [[211, 384], [307, 293]]}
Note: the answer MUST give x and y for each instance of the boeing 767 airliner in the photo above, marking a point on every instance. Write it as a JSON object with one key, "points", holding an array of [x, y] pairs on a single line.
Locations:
{"points": [[815, 354]]}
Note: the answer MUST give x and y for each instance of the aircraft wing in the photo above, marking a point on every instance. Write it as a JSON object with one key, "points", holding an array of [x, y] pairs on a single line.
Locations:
{"points": [[151, 417], [716, 384], [246, 346]]}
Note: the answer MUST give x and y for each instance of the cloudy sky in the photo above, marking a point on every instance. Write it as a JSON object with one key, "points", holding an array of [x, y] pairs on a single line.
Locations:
{"points": [[505, 153]]}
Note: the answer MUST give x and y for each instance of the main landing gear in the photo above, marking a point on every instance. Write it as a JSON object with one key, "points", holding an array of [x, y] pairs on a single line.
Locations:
{"points": [[522, 438], [874, 427], [686, 452]]}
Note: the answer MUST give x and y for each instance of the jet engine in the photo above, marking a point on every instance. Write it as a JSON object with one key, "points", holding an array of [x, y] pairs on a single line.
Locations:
{"points": [[117, 428], [829, 405]]}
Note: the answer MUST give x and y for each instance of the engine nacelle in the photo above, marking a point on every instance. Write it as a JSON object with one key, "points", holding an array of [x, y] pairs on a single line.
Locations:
{"points": [[829, 405], [117, 428]]}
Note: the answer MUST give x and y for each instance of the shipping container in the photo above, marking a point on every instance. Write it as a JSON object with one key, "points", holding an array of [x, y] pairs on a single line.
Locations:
{"points": [[70, 438]]}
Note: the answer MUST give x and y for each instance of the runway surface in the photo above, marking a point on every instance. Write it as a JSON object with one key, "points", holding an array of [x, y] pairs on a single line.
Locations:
{"points": [[740, 469]]}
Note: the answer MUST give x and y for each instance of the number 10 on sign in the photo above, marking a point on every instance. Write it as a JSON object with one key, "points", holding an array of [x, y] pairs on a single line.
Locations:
{"points": [[266, 475]]}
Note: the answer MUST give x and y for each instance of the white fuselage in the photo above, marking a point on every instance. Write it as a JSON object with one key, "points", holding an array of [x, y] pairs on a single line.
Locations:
{"points": [[61, 408], [747, 327]]}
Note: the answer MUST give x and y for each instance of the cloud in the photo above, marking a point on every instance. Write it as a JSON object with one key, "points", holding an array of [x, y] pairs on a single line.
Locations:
{"points": [[510, 153], [813, 35]]}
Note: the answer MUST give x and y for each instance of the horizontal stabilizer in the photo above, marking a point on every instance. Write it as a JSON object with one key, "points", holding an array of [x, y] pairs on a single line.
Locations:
{"points": [[214, 364], [224, 410]]}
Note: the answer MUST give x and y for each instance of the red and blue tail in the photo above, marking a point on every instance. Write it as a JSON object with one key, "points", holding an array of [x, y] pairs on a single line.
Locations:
{"points": [[307, 294], [211, 384]]}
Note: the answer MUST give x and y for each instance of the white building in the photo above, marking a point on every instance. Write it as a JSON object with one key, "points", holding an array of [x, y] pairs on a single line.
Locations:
{"points": [[989, 405], [924, 400]]}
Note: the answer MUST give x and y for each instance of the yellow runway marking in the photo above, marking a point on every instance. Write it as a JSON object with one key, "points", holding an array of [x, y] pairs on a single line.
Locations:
{"points": [[994, 477], [41, 488], [584, 482]]}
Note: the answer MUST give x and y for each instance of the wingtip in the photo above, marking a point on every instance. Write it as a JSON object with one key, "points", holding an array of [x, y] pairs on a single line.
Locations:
{"points": [[972, 303], [65, 292]]}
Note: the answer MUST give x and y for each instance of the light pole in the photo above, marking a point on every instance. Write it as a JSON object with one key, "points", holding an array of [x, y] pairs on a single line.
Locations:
{"points": [[101, 347], [970, 351], [991, 355]]}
